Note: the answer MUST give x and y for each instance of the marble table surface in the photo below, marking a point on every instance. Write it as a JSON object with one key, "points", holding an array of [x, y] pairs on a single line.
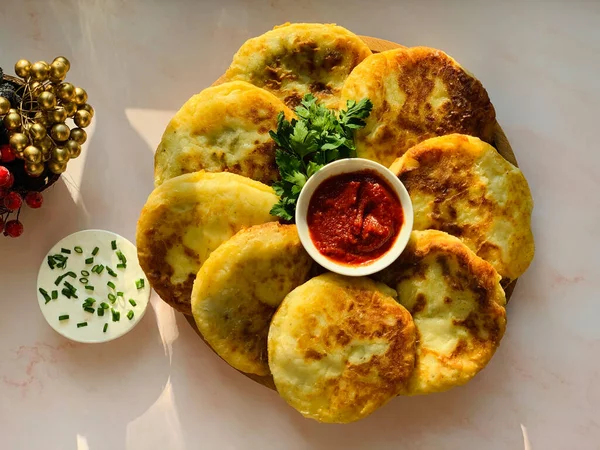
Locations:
{"points": [[160, 387]]}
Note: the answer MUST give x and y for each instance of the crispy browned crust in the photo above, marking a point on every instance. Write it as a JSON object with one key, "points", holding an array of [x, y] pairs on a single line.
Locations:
{"points": [[449, 175], [462, 272], [346, 314], [300, 58], [408, 105]]}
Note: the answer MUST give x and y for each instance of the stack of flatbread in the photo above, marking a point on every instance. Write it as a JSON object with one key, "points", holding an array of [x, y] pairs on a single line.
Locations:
{"points": [[338, 348]]}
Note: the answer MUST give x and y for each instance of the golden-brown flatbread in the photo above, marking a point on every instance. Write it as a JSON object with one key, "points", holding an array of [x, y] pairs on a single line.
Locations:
{"points": [[340, 347], [224, 128], [240, 286], [461, 185], [457, 304], [188, 217], [296, 59], [417, 93]]}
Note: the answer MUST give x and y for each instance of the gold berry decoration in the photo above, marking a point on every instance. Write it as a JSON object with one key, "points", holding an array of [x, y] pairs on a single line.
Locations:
{"points": [[4, 106], [57, 167], [60, 132], [81, 96], [18, 142], [35, 170], [79, 135], [65, 92], [37, 131], [40, 71], [60, 155], [23, 68], [47, 100], [82, 118], [32, 155]]}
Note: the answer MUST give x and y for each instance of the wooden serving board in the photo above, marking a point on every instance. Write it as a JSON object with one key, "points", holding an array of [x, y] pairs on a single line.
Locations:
{"points": [[500, 142]]}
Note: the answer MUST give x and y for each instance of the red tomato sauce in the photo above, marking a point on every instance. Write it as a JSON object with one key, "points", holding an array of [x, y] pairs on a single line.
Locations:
{"points": [[354, 218]]}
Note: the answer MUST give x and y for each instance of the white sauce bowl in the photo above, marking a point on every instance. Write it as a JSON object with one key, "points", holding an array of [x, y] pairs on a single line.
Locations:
{"points": [[349, 166]]}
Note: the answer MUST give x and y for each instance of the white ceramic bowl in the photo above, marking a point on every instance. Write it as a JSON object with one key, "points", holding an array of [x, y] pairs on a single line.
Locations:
{"points": [[348, 166], [93, 332]]}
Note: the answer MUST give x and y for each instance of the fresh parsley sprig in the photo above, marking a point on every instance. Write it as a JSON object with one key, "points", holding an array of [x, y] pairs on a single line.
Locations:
{"points": [[318, 137]]}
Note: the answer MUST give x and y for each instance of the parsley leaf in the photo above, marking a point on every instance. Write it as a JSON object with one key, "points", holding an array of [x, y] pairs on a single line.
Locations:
{"points": [[304, 145]]}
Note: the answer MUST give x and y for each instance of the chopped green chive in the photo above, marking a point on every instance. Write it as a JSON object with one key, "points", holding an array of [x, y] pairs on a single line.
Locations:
{"points": [[139, 283], [63, 317], [113, 245], [51, 262], [85, 273], [122, 258], [132, 302], [89, 301], [100, 312], [57, 260], [105, 328], [65, 250], [67, 293], [71, 274], [89, 261], [54, 295], [89, 288], [111, 272], [70, 287], [90, 310], [104, 305], [95, 251], [121, 266], [59, 279], [116, 315], [111, 285], [120, 294], [82, 324], [45, 294], [130, 315], [95, 268], [112, 298], [100, 269], [84, 280], [78, 249]]}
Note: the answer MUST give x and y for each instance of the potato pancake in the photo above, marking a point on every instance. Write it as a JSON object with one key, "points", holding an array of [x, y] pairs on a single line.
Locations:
{"points": [[417, 93], [296, 59], [340, 347], [224, 128], [457, 304], [188, 217], [240, 286], [461, 185]]}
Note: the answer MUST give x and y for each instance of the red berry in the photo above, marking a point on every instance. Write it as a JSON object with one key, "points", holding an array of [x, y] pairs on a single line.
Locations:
{"points": [[4, 176], [34, 199], [13, 228], [6, 153], [11, 181], [13, 201]]}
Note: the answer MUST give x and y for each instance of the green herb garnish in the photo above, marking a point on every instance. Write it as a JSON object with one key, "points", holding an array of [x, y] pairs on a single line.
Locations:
{"points": [[54, 295], [85, 273], [89, 260], [100, 312], [113, 245], [63, 317], [116, 315], [130, 315], [111, 272], [120, 294], [318, 137], [45, 294], [89, 288], [104, 305], [88, 309], [139, 284], [65, 250], [95, 251], [82, 324], [105, 328], [132, 302], [111, 285], [112, 298], [78, 249], [84, 280], [122, 258]]}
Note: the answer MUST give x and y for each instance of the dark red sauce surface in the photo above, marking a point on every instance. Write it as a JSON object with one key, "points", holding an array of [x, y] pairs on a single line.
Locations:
{"points": [[354, 218]]}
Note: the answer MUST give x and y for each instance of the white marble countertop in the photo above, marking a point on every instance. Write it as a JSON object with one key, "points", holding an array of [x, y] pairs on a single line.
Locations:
{"points": [[160, 387]]}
